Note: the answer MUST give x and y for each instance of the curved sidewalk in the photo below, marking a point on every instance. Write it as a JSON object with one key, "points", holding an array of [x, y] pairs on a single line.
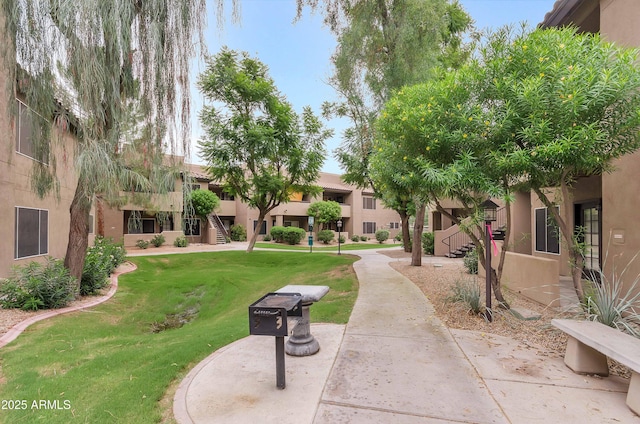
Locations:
{"points": [[395, 362]]}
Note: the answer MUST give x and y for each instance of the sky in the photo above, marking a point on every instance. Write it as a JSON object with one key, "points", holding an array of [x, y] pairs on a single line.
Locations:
{"points": [[298, 54]]}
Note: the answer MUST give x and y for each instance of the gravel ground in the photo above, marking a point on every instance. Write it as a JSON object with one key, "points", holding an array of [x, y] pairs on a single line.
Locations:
{"points": [[437, 282]]}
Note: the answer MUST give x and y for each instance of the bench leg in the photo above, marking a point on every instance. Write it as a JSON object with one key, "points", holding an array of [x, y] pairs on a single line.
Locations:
{"points": [[584, 359], [633, 397], [302, 342]]}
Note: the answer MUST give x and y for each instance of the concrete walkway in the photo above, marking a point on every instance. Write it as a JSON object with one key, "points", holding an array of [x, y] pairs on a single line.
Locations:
{"points": [[395, 362]]}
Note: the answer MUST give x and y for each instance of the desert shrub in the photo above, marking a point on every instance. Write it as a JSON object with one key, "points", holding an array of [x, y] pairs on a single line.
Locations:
{"points": [[355, 238], [613, 304], [342, 239], [428, 244], [238, 232], [158, 240], [181, 241], [277, 232], [364, 238], [466, 292], [101, 260], [382, 236], [293, 235], [326, 236], [470, 261], [142, 244], [38, 286], [267, 238]]}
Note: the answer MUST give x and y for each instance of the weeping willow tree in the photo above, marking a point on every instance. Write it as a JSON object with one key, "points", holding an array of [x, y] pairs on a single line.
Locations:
{"points": [[84, 65]]}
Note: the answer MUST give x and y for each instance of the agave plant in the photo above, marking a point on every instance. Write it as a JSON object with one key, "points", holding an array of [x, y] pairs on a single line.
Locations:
{"points": [[614, 304]]}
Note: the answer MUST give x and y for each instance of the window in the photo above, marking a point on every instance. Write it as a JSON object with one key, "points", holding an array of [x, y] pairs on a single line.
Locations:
{"points": [[394, 225], [368, 228], [263, 227], [91, 225], [25, 128], [368, 202], [32, 232], [145, 226], [192, 227], [546, 232]]}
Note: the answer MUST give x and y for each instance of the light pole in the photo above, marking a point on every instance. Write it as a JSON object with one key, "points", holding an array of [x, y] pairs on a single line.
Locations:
{"points": [[490, 212], [339, 225]]}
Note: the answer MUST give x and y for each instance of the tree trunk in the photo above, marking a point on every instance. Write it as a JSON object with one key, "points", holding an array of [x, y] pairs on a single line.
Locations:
{"points": [[100, 216], [406, 235], [416, 254], [78, 235], [254, 237]]}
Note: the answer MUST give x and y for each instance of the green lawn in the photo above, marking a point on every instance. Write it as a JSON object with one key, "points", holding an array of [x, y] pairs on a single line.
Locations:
{"points": [[321, 247], [107, 365]]}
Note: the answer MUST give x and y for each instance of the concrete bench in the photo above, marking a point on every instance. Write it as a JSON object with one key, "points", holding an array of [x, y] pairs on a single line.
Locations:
{"points": [[301, 342], [589, 345]]}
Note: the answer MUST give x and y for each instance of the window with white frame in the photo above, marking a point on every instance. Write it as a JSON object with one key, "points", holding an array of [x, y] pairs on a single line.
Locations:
{"points": [[368, 228], [25, 130], [546, 231], [31, 232], [368, 202], [394, 225]]}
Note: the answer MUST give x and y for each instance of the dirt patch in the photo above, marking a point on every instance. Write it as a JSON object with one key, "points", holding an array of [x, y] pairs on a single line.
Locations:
{"points": [[437, 281]]}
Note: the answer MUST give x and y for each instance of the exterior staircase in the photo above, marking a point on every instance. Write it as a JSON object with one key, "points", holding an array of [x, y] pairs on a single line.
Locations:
{"points": [[221, 233], [460, 243]]}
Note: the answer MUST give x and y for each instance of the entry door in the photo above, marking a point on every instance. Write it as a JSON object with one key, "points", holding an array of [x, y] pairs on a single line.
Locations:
{"points": [[589, 218]]}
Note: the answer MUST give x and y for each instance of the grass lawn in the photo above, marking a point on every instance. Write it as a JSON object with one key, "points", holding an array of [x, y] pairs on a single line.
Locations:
{"points": [[107, 365], [321, 247]]}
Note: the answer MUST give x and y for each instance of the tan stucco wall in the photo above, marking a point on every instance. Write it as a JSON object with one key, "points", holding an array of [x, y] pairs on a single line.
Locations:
{"points": [[621, 188], [15, 188], [535, 278]]}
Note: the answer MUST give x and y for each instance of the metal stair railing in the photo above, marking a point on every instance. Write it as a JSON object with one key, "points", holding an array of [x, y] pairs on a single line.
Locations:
{"points": [[458, 240], [216, 222]]}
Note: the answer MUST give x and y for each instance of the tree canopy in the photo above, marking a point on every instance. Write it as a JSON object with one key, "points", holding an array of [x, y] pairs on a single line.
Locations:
{"points": [[255, 144], [535, 110], [325, 211]]}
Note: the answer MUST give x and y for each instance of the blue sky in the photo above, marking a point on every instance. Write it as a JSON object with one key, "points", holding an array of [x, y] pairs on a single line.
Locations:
{"points": [[298, 54]]}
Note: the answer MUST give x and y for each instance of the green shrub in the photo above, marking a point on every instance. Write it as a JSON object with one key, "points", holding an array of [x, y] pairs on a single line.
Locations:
{"points": [[467, 292], [382, 236], [267, 238], [398, 237], [142, 244], [428, 243], [342, 239], [471, 261], [158, 240], [326, 236], [277, 233], [181, 241], [364, 238], [38, 286], [355, 238], [107, 248], [238, 232], [101, 260], [293, 235]]}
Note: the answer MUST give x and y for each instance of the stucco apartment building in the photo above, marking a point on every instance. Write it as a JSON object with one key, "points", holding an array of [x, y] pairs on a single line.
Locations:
{"points": [[604, 205], [30, 228], [362, 214]]}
